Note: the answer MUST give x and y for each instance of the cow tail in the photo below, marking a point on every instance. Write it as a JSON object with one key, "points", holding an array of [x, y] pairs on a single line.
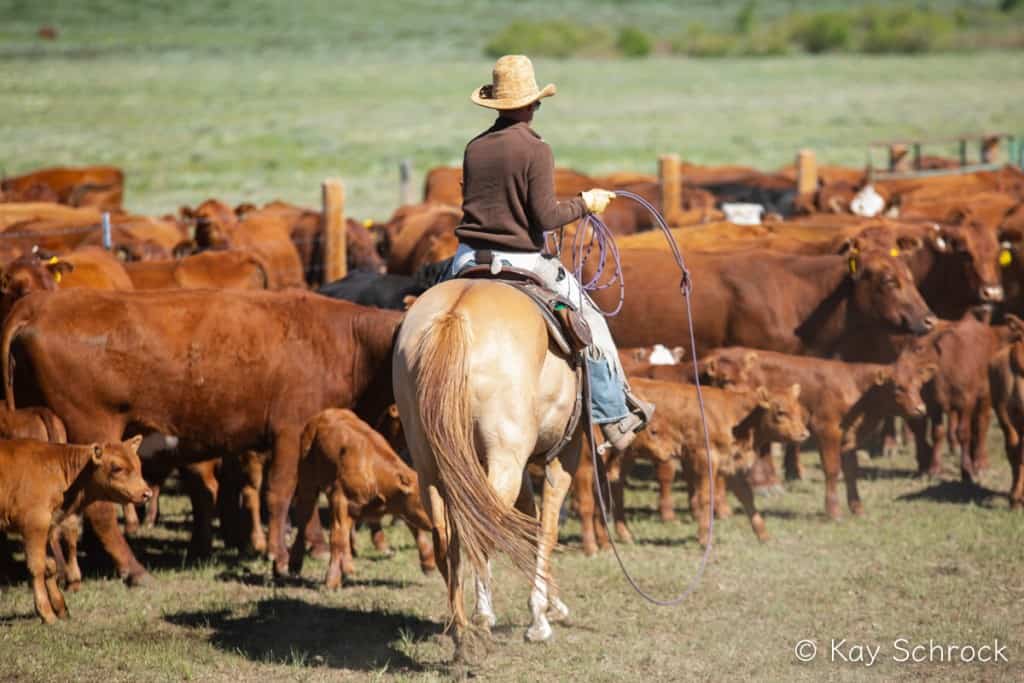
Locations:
{"points": [[15, 323], [55, 430], [478, 521]]}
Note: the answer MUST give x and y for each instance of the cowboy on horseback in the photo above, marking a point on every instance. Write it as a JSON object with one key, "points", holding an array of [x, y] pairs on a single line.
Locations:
{"points": [[509, 203]]}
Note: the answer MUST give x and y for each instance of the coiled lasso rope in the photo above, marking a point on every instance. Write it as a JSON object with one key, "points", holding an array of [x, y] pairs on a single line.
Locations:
{"points": [[601, 237]]}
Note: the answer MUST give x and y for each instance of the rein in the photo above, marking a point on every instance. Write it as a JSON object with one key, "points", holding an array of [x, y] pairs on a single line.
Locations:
{"points": [[605, 242]]}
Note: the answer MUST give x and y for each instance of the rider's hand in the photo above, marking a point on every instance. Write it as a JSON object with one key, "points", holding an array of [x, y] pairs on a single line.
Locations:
{"points": [[597, 199]]}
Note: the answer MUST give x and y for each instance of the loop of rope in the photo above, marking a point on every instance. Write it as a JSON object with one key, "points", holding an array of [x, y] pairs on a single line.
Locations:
{"points": [[606, 246]]}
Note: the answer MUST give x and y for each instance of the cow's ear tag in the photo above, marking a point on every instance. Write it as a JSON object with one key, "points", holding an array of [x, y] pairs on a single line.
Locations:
{"points": [[894, 252], [368, 223], [53, 260], [57, 277], [1005, 257], [853, 265]]}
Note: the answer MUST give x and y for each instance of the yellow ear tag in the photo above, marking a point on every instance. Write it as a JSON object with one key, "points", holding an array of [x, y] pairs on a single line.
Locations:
{"points": [[853, 265], [56, 277], [53, 260], [894, 252], [368, 223], [1005, 257]]}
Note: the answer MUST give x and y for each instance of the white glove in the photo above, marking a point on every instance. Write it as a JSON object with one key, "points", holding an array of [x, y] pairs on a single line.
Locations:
{"points": [[597, 200]]}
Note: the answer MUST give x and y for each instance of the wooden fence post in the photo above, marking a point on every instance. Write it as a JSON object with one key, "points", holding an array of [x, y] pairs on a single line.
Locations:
{"points": [[899, 157], [671, 184], [806, 173], [405, 183], [990, 149], [333, 217]]}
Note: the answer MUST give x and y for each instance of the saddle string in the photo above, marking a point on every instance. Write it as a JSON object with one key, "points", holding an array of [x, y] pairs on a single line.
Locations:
{"points": [[607, 246]]}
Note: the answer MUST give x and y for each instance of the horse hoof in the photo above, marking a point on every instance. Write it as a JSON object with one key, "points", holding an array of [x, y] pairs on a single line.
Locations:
{"points": [[558, 611], [484, 621], [141, 579], [538, 633]]}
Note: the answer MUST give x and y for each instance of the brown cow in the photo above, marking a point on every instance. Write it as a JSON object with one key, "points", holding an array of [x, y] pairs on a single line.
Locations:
{"points": [[266, 232], [362, 477], [845, 402], [90, 268], [229, 269], [736, 421], [1006, 379], [221, 370], [98, 186], [410, 232], [785, 302], [41, 483]]}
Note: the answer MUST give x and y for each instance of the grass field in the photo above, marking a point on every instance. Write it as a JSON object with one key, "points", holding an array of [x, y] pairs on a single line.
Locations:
{"points": [[261, 100], [931, 560]]}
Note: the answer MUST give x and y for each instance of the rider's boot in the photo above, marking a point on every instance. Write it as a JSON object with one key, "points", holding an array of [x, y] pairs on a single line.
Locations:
{"points": [[621, 434]]}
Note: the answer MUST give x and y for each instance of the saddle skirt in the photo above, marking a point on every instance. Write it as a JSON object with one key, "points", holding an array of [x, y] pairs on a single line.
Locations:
{"points": [[566, 327]]}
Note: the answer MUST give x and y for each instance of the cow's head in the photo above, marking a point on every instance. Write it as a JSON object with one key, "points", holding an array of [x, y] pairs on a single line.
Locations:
{"points": [[912, 370], [976, 247], [211, 222], [28, 274], [884, 289], [116, 473], [729, 368], [362, 253], [785, 418]]}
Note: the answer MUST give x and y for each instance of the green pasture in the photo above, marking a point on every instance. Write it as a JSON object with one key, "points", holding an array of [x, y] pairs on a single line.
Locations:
{"points": [[930, 561]]}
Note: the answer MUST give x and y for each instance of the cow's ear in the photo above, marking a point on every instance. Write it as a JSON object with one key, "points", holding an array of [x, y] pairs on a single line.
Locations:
{"points": [[97, 454], [710, 367], [393, 411], [908, 243], [679, 353], [763, 397], [794, 391], [882, 378], [134, 443], [406, 482], [186, 212], [850, 245], [940, 239], [1010, 235]]}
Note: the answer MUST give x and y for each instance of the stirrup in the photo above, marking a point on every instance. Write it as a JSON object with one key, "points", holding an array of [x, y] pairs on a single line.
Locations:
{"points": [[621, 434]]}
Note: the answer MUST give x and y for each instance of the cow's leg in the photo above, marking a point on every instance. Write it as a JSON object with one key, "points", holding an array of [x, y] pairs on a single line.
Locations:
{"points": [[425, 548], [665, 471], [378, 537], [981, 419], [340, 563], [102, 516], [938, 439], [619, 500], [890, 444], [69, 533], [152, 507], [556, 485], [202, 489], [722, 508], [762, 475], [850, 469], [283, 477], [35, 535], [313, 532], [306, 496], [583, 489], [131, 519], [740, 485], [960, 423], [828, 446], [702, 489], [794, 471], [60, 607], [252, 483]]}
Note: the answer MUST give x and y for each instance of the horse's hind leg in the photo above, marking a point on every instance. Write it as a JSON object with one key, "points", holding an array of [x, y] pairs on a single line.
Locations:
{"points": [[556, 485], [446, 550]]}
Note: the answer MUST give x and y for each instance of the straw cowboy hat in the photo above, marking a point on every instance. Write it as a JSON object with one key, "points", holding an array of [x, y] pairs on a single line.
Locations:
{"points": [[512, 85]]}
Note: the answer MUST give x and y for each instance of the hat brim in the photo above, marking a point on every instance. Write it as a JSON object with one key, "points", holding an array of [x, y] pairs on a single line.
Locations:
{"points": [[511, 103]]}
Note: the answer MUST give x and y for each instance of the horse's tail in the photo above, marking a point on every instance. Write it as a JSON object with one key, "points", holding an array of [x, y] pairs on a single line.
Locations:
{"points": [[479, 522]]}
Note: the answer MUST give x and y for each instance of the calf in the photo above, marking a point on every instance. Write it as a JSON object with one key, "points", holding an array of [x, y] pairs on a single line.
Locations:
{"points": [[363, 477], [1006, 379], [736, 421], [229, 269], [42, 483], [845, 402]]}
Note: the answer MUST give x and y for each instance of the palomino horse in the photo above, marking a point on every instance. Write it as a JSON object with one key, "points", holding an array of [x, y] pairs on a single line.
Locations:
{"points": [[480, 391]]}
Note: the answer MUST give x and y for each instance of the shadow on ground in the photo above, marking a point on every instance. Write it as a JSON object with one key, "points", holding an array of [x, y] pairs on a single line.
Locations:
{"points": [[956, 492], [286, 631]]}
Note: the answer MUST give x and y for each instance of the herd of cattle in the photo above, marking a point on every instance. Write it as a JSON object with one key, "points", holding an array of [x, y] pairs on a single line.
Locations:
{"points": [[207, 342]]}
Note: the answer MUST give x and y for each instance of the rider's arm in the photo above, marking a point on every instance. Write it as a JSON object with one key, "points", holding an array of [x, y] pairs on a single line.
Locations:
{"points": [[546, 212]]}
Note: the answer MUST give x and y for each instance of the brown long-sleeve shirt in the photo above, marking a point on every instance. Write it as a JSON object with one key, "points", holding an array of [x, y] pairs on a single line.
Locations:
{"points": [[508, 190]]}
